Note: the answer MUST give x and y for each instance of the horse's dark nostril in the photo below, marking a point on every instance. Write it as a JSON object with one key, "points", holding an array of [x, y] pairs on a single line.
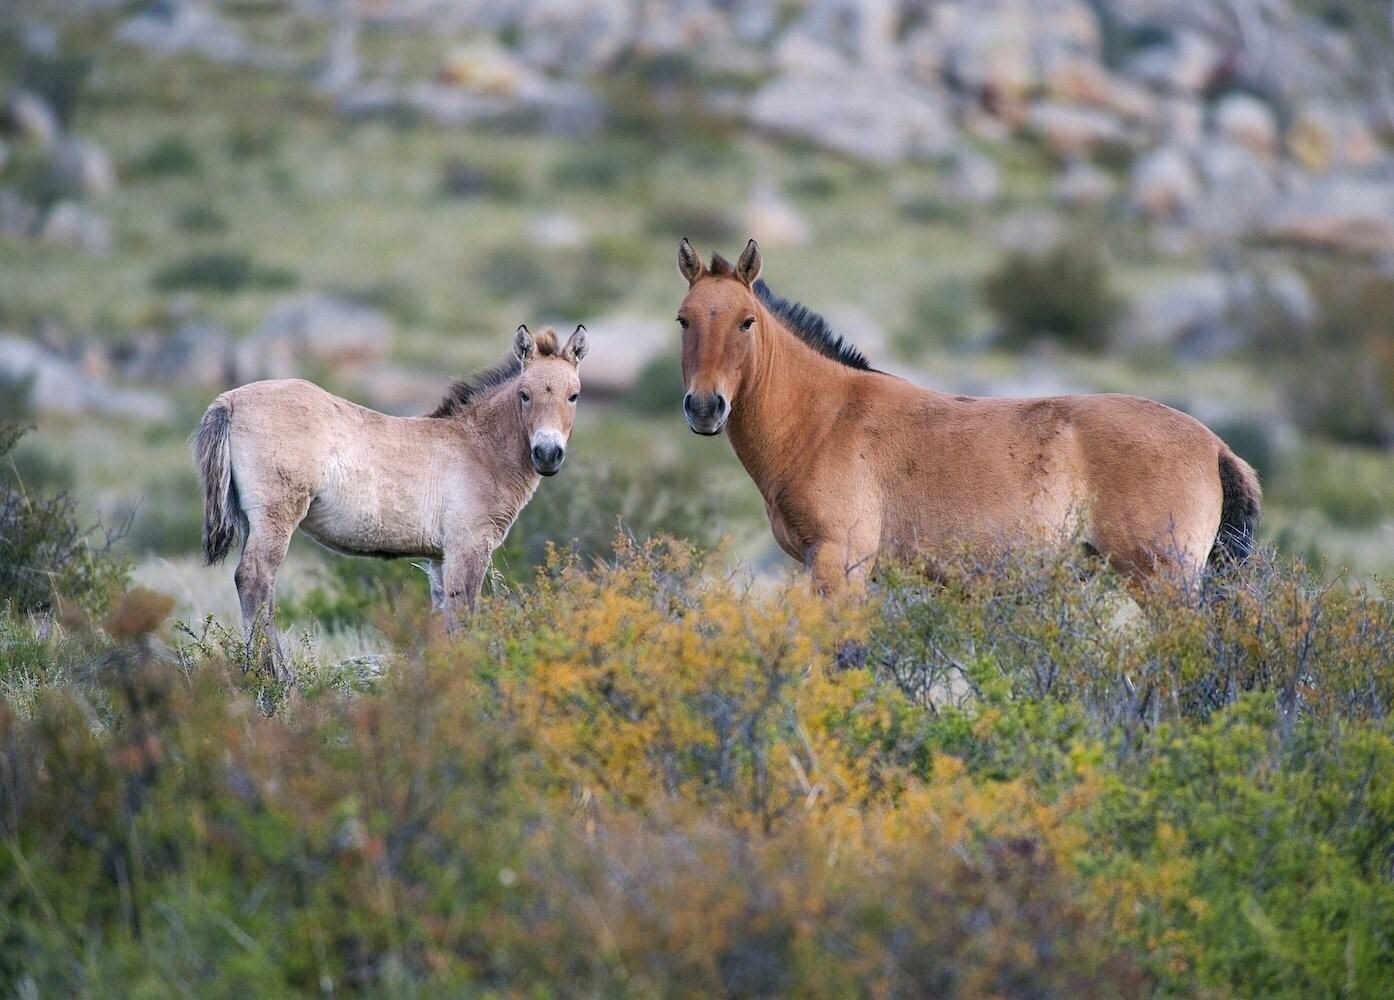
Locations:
{"points": [[720, 404]]}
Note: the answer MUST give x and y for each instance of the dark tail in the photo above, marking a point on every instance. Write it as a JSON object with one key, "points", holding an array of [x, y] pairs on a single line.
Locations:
{"points": [[1239, 511], [221, 510]]}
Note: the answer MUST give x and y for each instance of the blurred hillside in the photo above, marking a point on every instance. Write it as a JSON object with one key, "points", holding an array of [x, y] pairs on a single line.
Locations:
{"points": [[1187, 199]]}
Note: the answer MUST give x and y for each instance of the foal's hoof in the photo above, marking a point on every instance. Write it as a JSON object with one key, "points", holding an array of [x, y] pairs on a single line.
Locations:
{"points": [[850, 655]]}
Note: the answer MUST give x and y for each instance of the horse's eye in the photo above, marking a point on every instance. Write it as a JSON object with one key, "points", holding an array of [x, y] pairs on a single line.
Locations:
{"points": [[523, 395], [745, 327], [682, 322], [573, 397]]}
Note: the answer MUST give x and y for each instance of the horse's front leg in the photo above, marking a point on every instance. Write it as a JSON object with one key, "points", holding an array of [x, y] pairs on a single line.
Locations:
{"points": [[843, 559], [462, 577]]}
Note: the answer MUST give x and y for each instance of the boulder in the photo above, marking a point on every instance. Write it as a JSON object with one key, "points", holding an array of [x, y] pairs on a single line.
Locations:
{"points": [[973, 178], [1181, 122], [1164, 184], [186, 26], [1072, 131], [198, 353], [865, 115], [58, 385], [556, 230], [772, 219], [575, 37], [70, 224], [1185, 64], [18, 217], [1336, 212], [82, 168], [1248, 122], [314, 327], [1083, 185], [486, 68], [1239, 186], [618, 349], [1326, 137], [401, 390], [30, 117], [1190, 315], [864, 31]]}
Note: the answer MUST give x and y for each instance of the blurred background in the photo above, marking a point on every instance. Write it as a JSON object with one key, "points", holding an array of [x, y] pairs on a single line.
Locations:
{"points": [[1187, 199]]}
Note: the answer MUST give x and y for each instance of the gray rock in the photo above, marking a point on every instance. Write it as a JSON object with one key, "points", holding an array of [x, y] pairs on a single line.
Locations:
{"points": [[865, 115], [18, 217], [1185, 64], [618, 349], [69, 224], [196, 353], [1336, 212], [1191, 315], [1083, 185], [314, 327], [173, 27], [1071, 131], [1239, 188], [1164, 184], [59, 386], [973, 178], [31, 118], [1248, 122], [864, 31], [772, 219], [575, 37], [82, 168]]}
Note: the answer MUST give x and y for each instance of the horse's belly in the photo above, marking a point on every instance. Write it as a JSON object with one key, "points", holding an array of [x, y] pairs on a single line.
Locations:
{"points": [[370, 525], [1049, 516]]}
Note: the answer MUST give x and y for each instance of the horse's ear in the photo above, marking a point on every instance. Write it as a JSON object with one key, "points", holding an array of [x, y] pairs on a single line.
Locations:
{"points": [[689, 263], [523, 346], [748, 267], [575, 348]]}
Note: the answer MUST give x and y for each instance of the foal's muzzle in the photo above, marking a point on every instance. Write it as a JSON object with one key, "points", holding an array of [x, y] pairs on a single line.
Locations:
{"points": [[547, 458], [706, 412]]}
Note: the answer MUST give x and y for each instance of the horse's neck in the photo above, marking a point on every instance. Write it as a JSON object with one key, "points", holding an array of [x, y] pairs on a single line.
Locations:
{"points": [[789, 402]]}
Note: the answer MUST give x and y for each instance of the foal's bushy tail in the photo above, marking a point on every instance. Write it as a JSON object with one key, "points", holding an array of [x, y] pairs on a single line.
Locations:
{"points": [[221, 510], [1240, 508]]}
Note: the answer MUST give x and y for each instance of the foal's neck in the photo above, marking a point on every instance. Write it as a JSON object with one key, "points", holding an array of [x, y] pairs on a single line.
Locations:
{"points": [[788, 402], [503, 446]]}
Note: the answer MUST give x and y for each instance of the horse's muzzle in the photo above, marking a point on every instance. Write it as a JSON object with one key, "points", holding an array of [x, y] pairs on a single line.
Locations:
{"points": [[547, 458], [706, 413]]}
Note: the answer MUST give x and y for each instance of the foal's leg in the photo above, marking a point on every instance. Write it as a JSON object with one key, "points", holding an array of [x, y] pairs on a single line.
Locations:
{"points": [[437, 582], [463, 576], [262, 555]]}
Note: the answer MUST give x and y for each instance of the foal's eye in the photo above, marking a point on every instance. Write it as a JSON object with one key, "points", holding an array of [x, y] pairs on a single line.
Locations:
{"points": [[682, 322], [749, 322], [523, 395], [573, 397]]}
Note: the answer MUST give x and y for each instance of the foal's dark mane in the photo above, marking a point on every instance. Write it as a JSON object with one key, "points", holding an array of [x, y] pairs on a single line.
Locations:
{"points": [[801, 321], [464, 393]]}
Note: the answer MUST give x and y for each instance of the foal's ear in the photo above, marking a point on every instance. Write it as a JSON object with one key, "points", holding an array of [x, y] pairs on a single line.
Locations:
{"points": [[748, 267], [575, 348], [689, 263], [523, 347]]}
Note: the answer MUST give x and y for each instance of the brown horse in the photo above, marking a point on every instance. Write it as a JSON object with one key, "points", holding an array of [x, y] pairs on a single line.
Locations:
{"points": [[854, 463], [280, 455]]}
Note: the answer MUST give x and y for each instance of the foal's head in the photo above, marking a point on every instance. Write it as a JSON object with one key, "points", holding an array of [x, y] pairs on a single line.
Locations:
{"points": [[547, 389], [720, 321]]}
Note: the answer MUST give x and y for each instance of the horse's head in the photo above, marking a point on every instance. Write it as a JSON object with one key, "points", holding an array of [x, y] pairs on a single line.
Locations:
{"points": [[548, 388], [720, 321]]}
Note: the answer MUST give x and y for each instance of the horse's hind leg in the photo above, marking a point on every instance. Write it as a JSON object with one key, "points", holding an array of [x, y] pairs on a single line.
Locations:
{"points": [[262, 555]]}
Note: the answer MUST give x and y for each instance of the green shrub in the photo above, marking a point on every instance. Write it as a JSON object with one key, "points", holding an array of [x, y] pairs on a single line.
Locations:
{"points": [[352, 592], [200, 218], [941, 315], [1062, 293], [170, 156], [569, 285], [464, 179], [47, 558], [221, 271], [709, 226], [658, 388], [1338, 371]]}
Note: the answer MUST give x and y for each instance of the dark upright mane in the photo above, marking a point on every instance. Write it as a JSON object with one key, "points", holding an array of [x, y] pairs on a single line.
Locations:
{"points": [[465, 392], [810, 327]]}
